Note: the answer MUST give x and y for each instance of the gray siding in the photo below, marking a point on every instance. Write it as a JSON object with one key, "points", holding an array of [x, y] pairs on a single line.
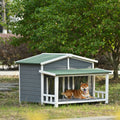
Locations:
{"points": [[79, 64], [30, 83], [57, 65]]}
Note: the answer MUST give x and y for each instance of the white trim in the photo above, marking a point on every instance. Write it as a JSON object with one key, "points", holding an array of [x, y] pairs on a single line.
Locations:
{"points": [[81, 101], [52, 103], [49, 95], [107, 88], [93, 79], [84, 58], [41, 67], [68, 63], [92, 65], [47, 73], [100, 92], [68, 83], [42, 87], [56, 86], [19, 86], [53, 60], [47, 88]]}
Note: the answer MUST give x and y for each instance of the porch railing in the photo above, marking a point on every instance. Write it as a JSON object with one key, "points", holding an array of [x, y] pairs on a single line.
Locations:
{"points": [[100, 94], [48, 98]]}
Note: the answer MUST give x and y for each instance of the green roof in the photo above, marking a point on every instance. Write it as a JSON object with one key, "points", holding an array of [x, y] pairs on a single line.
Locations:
{"points": [[45, 58], [39, 58], [78, 71]]}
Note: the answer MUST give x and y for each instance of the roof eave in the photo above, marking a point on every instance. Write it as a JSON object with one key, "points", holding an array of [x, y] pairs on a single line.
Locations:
{"points": [[84, 58]]}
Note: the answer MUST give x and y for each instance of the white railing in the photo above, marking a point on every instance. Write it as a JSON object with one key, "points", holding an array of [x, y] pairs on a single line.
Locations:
{"points": [[100, 94], [47, 98]]}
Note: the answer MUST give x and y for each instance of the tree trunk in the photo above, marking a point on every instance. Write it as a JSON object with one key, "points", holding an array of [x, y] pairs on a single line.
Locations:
{"points": [[115, 73], [113, 58]]}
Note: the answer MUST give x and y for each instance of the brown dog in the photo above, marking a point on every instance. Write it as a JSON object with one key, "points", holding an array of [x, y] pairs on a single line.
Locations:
{"points": [[82, 93]]}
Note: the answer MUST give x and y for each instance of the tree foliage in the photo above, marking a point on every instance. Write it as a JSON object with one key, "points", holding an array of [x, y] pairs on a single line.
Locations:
{"points": [[82, 27]]}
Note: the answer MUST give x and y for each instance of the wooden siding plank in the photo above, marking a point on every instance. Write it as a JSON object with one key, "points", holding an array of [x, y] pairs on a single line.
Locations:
{"points": [[61, 64], [79, 64], [29, 89]]}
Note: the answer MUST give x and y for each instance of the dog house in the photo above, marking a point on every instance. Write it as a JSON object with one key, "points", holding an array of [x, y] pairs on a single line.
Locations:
{"points": [[43, 77]]}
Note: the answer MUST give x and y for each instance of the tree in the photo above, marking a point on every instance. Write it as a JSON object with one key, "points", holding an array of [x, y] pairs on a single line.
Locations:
{"points": [[82, 27], [108, 31]]}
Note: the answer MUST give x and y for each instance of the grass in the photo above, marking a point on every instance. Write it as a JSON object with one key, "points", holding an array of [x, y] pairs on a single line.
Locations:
{"points": [[10, 109]]}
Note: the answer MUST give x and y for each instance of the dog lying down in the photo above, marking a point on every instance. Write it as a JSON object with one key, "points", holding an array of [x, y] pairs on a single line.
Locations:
{"points": [[82, 93]]}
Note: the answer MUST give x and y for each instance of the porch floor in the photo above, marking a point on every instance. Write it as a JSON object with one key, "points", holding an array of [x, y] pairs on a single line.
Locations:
{"points": [[69, 101]]}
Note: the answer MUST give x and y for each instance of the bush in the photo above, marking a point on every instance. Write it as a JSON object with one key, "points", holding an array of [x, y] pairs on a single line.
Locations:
{"points": [[9, 53]]}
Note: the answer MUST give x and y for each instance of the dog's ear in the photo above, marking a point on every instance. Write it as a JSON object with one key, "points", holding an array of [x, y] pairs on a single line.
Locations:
{"points": [[81, 83]]}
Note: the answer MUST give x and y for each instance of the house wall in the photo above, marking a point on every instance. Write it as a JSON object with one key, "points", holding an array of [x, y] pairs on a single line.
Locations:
{"points": [[79, 64], [57, 65], [30, 83]]}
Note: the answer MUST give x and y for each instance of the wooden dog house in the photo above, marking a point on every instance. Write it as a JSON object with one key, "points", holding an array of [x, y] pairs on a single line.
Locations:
{"points": [[43, 77]]}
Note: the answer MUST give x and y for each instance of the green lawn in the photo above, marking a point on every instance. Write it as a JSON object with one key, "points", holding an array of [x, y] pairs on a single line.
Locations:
{"points": [[10, 109]]}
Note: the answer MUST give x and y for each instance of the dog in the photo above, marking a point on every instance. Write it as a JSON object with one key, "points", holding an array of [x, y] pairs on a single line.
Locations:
{"points": [[82, 93]]}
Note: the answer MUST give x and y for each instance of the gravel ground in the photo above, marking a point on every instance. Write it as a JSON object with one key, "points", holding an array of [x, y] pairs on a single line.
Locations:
{"points": [[11, 73]]}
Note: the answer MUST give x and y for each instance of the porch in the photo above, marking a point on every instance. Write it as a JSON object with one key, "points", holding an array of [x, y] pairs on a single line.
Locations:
{"points": [[66, 79]]}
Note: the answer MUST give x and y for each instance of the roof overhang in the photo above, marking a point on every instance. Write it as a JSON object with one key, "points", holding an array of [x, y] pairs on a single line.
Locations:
{"points": [[76, 72]]}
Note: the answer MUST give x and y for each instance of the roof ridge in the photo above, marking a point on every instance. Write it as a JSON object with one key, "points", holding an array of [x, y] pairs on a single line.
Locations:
{"points": [[58, 53]]}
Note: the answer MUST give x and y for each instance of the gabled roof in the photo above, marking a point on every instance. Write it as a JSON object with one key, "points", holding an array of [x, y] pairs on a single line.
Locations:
{"points": [[75, 72], [46, 58]]}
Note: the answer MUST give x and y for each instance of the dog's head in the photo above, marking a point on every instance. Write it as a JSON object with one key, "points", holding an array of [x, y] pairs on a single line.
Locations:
{"points": [[84, 88]]}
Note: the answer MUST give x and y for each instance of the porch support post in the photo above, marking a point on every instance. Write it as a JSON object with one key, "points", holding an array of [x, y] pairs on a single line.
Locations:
{"points": [[56, 90], [47, 89], [107, 88], [93, 85], [63, 86], [19, 86], [42, 87]]}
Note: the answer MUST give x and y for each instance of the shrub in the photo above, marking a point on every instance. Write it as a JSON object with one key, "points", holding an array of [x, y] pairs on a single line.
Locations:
{"points": [[9, 53]]}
